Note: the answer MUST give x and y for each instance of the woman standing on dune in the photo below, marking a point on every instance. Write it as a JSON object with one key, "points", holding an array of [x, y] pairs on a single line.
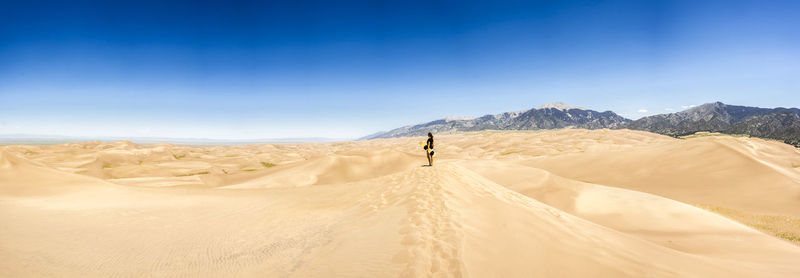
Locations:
{"points": [[429, 149]]}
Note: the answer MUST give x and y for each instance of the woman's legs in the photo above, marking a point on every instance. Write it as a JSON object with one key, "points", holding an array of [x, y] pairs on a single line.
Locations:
{"points": [[430, 159]]}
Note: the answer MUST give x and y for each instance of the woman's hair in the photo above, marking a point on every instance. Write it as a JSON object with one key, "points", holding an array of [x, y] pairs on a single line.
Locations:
{"points": [[430, 134]]}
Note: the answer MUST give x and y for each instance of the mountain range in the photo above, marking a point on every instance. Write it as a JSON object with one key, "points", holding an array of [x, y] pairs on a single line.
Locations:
{"points": [[773, 123], [549, 116]]}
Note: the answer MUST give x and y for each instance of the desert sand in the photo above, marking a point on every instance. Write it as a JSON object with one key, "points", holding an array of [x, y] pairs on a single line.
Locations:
{"points": [[562, 203]]}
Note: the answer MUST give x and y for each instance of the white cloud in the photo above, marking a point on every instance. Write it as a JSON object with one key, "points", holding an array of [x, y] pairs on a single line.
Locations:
{"points": [[669, 109], [687, 106], [642, 110]]}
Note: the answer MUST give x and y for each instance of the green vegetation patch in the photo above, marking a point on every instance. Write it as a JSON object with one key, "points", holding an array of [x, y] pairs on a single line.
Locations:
{"points": [[268, 165], [193, 174], [709, 134], [781, 226]]}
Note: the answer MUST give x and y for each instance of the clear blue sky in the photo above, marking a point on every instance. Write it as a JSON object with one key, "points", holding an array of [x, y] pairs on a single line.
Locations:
{"points": [[349, 68]]}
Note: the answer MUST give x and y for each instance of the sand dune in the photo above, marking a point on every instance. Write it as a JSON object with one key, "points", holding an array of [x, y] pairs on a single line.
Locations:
{"points": [[565, 203], [712, 170]]}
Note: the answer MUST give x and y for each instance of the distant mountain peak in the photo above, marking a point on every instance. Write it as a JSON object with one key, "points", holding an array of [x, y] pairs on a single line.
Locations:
{"points": [[706, 106], [560, 106], [458, 118]]}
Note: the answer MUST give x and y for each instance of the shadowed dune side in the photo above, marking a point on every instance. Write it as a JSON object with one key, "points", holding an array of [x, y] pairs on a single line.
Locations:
{"points": [[342, 168], [697, 171], [21, 177], [662, 221], [554, 243]]}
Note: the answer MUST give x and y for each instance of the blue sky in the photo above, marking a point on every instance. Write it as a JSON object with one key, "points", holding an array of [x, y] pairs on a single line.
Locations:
{"points": [[349, 68]]}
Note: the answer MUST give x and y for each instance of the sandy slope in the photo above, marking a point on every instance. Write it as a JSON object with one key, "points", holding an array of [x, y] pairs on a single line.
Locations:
{"points": [[566, 203]]}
